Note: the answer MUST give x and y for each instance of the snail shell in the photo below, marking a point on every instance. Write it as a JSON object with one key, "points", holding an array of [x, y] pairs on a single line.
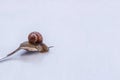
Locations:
{"points": [[35, 38]]}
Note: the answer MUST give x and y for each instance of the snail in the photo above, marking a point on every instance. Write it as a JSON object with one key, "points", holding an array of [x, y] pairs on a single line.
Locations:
{"points": [[34, 43]]}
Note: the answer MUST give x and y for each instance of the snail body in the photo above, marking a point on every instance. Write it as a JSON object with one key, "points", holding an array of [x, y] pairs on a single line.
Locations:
{"points": [[37, 47]]}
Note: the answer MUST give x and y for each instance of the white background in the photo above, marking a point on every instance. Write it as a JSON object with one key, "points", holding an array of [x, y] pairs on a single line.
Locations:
{"points": [[85, 33]]}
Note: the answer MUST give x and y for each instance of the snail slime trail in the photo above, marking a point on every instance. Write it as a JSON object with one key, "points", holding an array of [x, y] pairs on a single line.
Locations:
{"points": [[34, 43]]}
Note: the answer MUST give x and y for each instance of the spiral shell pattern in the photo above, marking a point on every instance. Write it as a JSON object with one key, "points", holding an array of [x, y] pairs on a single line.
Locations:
{"points": [[35, 38]]}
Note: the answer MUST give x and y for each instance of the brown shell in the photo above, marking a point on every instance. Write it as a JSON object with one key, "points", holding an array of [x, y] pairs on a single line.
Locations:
{"points": [[35, 38]]}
